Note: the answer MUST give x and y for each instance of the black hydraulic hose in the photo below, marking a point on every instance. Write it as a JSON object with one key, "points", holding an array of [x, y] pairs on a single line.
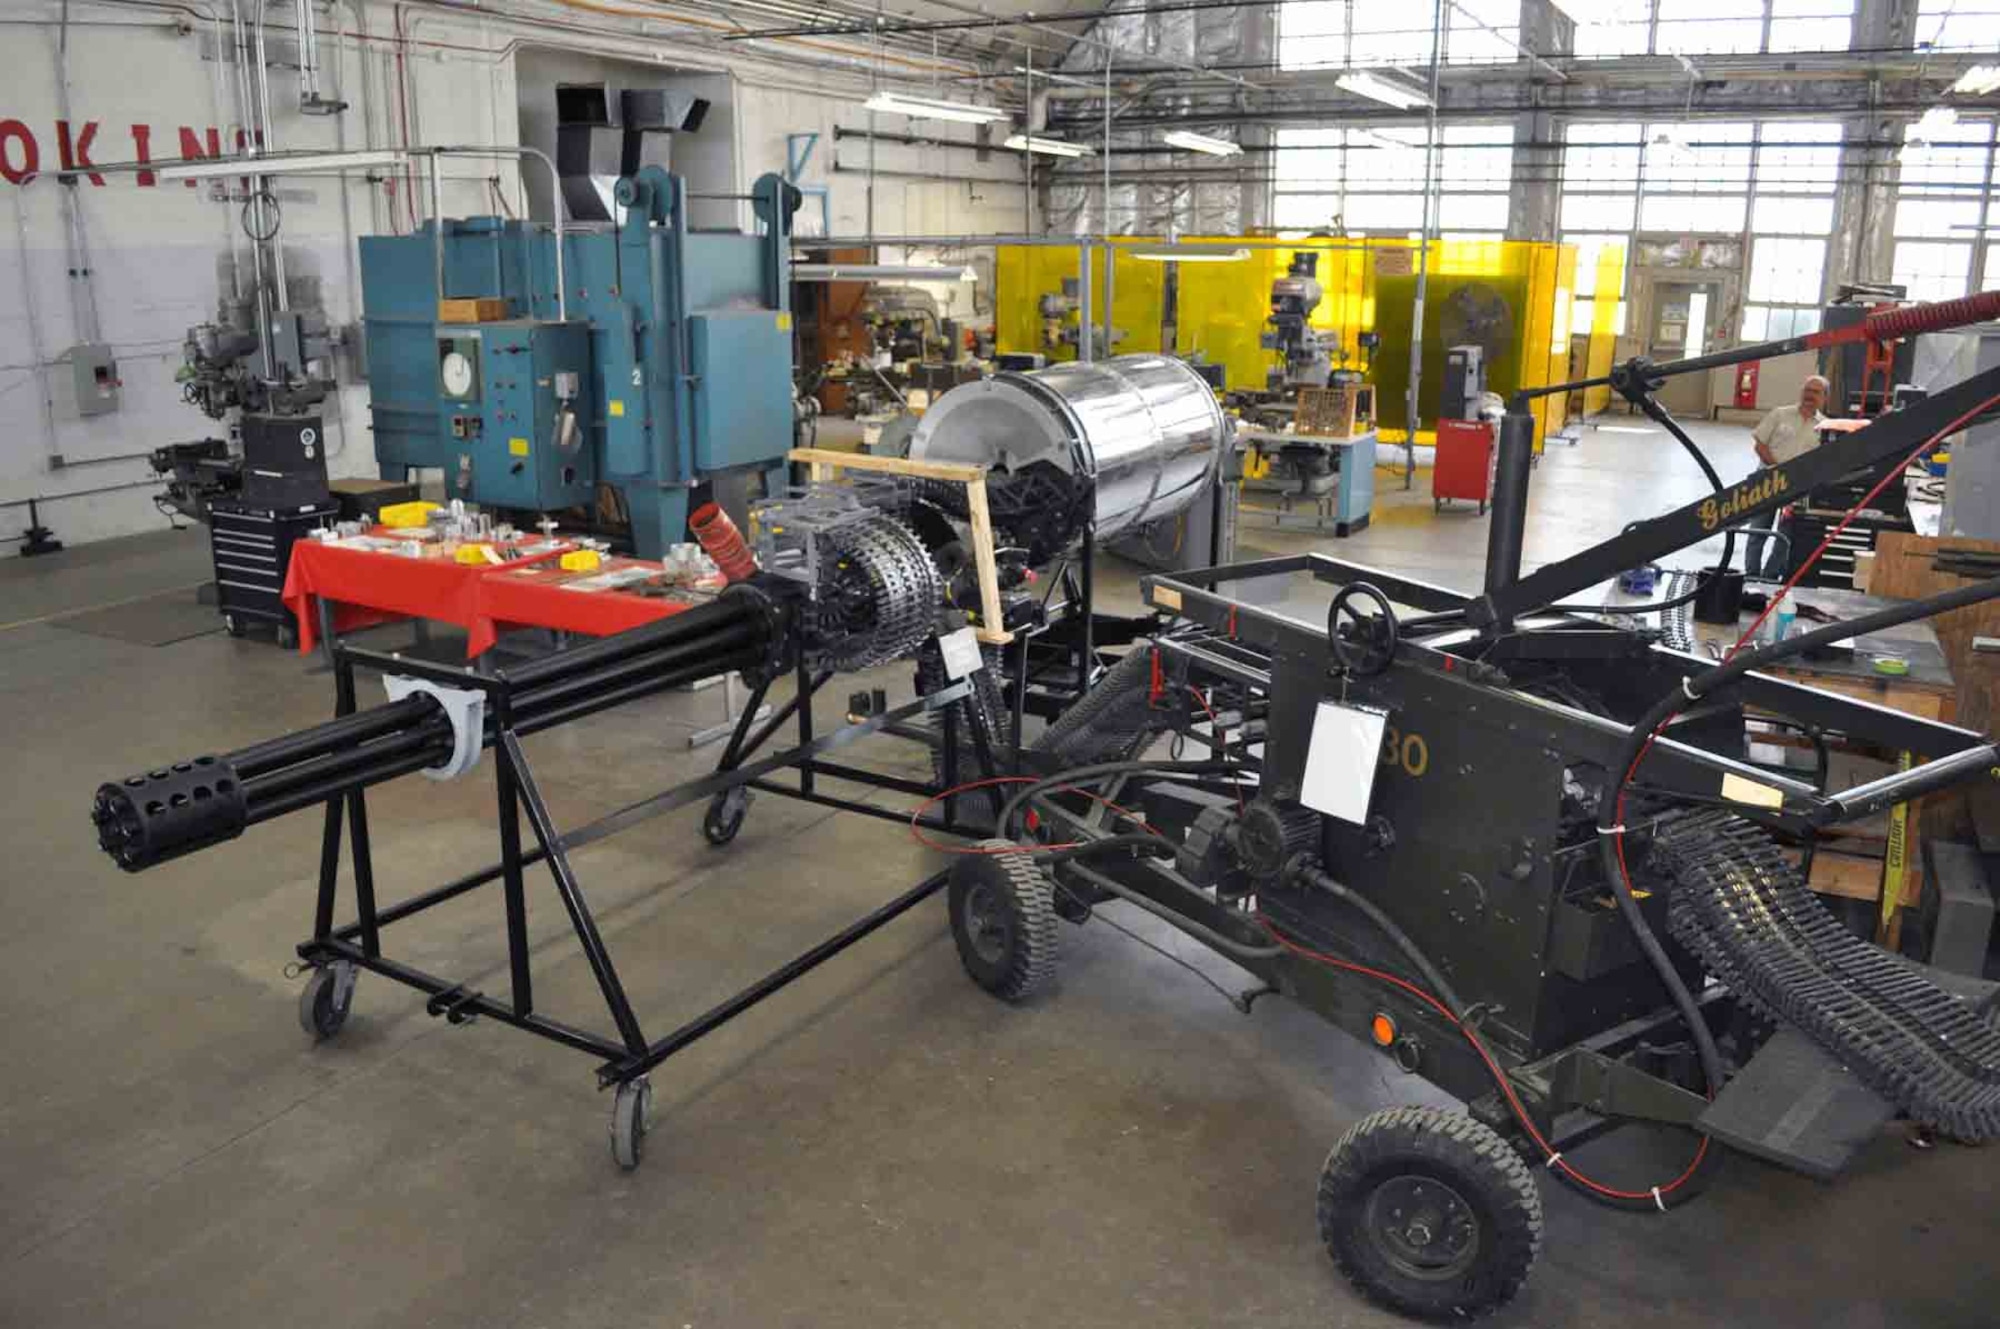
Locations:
{"points": [[1433, 978], [1104, 768]]}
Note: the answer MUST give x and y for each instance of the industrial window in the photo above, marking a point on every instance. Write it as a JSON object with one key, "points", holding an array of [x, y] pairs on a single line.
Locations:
{"points": [[1992, 282], [1959, 25], [1931, 270], [1332, 34], [1791, 213], [1777, 178], [1623, 28], [1811, 25], [1786, 270], [1312, 34], [1943, 205], [1372, 179], [1717, 27], [1709, 27], [1775, 323]]}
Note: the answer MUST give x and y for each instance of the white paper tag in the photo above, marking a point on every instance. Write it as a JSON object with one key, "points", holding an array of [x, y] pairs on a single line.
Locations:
{"points": [[1341, 761], [961, 653]]}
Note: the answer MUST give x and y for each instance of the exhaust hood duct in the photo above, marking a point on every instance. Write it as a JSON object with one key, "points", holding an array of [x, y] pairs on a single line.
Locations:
{"points": [[592, 151]]}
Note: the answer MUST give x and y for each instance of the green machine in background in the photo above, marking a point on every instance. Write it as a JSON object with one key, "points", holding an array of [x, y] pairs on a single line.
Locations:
{"points": [[642, 355]]}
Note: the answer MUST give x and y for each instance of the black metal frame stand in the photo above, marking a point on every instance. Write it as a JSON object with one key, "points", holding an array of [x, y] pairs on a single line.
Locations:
{"points": [[626, 1055]]}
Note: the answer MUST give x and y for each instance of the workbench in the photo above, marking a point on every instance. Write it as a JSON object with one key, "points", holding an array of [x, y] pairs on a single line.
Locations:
{"points": [[1891, 877], [1344, 509], [360, 587]]}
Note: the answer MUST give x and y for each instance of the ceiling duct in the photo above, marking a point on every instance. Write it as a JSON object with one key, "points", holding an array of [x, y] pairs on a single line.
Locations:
{"points": [[593, 151]]}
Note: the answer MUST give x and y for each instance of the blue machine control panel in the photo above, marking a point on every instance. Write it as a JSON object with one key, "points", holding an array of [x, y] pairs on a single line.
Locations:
{"points": [[514, 412]]}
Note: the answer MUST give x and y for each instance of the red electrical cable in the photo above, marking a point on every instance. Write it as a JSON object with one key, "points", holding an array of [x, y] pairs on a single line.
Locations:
{"points": [[1478, 1045]]}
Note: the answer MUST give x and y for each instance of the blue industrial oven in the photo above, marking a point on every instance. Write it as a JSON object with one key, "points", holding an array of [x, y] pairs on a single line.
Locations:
{"points": [[666, 365]]}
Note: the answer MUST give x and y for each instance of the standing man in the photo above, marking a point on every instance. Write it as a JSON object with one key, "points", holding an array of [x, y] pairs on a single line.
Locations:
{"points": [[1787, 432]]}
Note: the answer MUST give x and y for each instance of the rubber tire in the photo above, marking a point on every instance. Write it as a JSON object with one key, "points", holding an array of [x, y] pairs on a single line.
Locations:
{"points": [[725, 815], [1024, 898], [1473, 1160], [631, 1120], [321, 1015]]}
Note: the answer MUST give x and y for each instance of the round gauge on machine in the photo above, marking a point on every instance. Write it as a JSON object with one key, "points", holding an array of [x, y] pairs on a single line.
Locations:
{"points": [[456, 370]]}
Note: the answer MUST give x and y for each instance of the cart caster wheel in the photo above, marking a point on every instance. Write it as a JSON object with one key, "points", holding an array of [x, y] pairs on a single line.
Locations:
{"points": [[232, 625], [631, 1118], [1430, 1213], [326, 999], [1437, 505], [288, 637], [1482, 509], [1003, 918], [724, 817]]}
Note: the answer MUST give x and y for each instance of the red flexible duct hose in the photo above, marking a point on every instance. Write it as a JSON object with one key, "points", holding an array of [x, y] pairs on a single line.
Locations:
{"points": [[724, 543], [1894, 323]]}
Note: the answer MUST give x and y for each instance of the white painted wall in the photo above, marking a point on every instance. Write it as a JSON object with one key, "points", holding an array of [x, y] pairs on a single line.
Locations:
{"points": [[159, 250]]}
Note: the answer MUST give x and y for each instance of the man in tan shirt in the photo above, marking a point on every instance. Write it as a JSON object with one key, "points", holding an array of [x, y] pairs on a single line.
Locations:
{"points": [[1785, 433]]}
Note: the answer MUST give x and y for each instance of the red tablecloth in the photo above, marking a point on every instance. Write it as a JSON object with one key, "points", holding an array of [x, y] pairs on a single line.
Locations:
{"points": [[368, 586], [538, 596]]}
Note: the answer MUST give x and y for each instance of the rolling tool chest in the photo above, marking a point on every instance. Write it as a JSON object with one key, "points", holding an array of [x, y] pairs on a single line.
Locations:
{"points": [[252, 547]]}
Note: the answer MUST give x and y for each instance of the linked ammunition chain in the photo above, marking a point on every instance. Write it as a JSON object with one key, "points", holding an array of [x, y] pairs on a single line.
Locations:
{"points": [[1741, 906], [878, 595]]}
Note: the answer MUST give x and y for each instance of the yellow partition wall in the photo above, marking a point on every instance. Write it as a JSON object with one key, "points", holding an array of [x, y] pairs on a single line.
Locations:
{"points": [[1603, 330], [1138, 301], [1545, 344], [1513, 297], [1023, 274], [1222, 308]]}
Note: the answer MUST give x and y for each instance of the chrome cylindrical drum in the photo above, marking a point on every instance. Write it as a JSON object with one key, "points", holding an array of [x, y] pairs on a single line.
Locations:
{"points": [[1144, 433]]}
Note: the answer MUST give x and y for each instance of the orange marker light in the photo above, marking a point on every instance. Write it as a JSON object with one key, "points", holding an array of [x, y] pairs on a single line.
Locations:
{"points": [[1382, 1029]]}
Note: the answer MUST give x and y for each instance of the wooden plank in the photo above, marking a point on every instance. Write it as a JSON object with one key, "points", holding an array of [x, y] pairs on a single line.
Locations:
{"points": [[961, 472], [824, 462], [1924, 702], [983, 562]]}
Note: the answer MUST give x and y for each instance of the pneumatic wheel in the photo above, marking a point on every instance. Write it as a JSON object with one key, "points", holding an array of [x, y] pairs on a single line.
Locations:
{"points": [[1003, 918], [725, 814], [326, 999], [631, 1119], [1430, 1213]]}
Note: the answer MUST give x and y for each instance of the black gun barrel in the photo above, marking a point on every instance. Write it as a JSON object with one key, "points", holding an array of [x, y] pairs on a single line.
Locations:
{"points": [[161, 814]]}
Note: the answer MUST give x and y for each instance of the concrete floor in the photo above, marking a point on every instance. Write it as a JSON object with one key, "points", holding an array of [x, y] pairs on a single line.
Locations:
{"points": [[881, 1145]]}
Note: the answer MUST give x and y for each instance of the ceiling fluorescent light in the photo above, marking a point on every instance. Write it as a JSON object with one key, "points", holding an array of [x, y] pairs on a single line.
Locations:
{"points": [[879, 272], [1214, 147], [1393, 92], [936, 108], [1048, 147], [281, 163], [1188, 254], [1978, 81]]}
